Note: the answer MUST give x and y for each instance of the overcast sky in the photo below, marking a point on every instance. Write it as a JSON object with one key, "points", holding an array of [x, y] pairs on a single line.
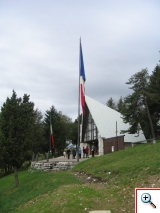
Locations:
{"points": [[39, 48]]}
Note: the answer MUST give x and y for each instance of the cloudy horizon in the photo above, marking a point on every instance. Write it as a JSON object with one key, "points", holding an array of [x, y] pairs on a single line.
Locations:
{"points": [[39, 49]]}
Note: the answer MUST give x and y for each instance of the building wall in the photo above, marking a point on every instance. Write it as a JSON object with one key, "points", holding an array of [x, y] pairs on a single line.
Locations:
{"points": [[128, 145], [113, 144], [91, 136], [100, 145]]}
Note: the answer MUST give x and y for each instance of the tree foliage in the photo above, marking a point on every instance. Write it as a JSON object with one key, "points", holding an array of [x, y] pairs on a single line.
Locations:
{"points": [[38, 139], [120, 104], [136, 105], [61, 125], [111, 103], [16, 127], [154, 99]]}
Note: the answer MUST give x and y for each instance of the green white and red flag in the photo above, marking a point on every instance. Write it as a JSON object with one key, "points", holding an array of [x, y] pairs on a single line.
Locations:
{"points": [[52, 136]]}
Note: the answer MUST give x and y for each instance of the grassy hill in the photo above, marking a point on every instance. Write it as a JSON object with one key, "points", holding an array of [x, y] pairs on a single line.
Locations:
{"points": [[105, 182]]}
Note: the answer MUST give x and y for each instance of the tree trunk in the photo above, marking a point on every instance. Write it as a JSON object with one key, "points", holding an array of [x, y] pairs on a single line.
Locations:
{"points": [[16, 176], [5, 168], [151, 124]]}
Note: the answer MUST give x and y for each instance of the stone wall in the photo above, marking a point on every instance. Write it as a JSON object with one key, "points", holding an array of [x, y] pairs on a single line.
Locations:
{"points": [[54, 166]]}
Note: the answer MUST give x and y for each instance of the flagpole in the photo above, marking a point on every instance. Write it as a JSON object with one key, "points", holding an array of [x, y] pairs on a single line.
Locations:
{"points": [[50, 138], [78, 115]]}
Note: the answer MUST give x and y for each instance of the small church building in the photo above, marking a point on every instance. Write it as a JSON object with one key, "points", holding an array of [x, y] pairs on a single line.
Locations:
{"points": [[102, 128]]}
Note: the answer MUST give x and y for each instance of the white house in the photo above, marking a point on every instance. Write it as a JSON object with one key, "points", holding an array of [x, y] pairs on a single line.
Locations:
{"points": [[102, 127]]}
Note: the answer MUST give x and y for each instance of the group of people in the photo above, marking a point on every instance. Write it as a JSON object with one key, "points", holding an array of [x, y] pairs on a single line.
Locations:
{"points": [[84, 151], [68, 152]]}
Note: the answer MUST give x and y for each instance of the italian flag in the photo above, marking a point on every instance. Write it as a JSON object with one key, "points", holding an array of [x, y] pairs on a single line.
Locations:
{"points": [[52, 136]]}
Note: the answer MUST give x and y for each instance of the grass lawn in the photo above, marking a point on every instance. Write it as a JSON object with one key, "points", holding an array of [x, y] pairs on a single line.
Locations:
{"points": [[116, 174]]}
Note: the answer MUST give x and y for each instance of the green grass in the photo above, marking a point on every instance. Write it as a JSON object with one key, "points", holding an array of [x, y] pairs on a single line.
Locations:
{"points": [[32, 185], [135, 163], [62, 191]]}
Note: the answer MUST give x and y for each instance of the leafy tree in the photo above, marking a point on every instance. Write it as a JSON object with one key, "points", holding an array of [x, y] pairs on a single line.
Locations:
{"points": [[38, 136], [74, 132], [16, 127], [66, 123], [61, 125], [111, 103], [116, 106], [154, 85], [64, 126], [120, 104], [136, 105], [154, 98], [52, 115]]}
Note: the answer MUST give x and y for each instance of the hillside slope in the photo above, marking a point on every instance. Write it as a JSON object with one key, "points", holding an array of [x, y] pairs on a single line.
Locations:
{"points": [[125, 166], [116, 174]]}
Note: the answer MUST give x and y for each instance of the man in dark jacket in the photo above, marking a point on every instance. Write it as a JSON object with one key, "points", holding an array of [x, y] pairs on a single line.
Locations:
{"points": [[92, 150], [84, 152], [68, 153], [74, 153]]}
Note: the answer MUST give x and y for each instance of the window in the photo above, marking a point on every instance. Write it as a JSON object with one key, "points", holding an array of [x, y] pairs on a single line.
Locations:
{"points": [[91, 129]]}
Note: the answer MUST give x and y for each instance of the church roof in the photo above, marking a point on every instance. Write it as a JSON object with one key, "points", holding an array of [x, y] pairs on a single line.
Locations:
{"points": [[105, 119]]}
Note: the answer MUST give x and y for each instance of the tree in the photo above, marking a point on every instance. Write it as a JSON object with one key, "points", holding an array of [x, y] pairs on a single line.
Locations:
{"points": [[52, 115], [111, 103], [74, 132], [154, 85], [64, 131], [61, 125], [38, 135], [120, 104], [16, 127], [154, 98], [136, 105]]}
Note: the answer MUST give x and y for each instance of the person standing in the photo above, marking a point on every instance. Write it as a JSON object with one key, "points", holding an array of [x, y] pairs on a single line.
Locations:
{"points": [[84, 152], [64, 154], [79, 152], [87, 150], [74, 153], [92, 150], [68, 153]]}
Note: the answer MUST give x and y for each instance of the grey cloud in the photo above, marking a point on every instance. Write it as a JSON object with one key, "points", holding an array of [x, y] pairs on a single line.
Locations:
{"points": [[39, 49]]}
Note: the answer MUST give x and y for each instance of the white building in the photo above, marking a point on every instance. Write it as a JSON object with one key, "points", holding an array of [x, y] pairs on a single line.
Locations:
{"points": [[102, 127]]}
